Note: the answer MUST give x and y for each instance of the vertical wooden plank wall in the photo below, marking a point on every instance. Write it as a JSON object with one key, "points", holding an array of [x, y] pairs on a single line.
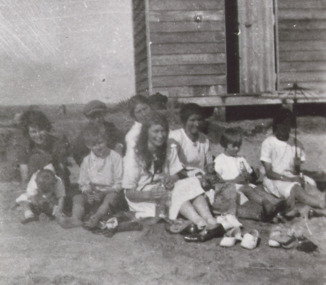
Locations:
{"points": [[256, 46], [141, 46], [302, 43], [187, 41]]}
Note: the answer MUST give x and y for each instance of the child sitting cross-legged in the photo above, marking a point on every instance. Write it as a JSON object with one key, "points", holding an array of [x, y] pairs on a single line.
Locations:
{"points": [[99, 180], [282, 156], [234, 169], [44, 196]]}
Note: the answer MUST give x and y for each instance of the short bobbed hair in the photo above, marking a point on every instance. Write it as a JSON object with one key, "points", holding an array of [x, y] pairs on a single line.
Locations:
{"points": [[45, 180], [281, 116], [134, 101], [231, 136], [35, 119], [188, 110]]}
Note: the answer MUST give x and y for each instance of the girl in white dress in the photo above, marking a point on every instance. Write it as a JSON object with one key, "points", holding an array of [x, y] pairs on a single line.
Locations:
{"points": [[193, 145], [152, 167]]}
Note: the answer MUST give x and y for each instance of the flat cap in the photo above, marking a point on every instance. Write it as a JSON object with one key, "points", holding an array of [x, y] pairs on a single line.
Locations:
{"points": [[93, 107]]}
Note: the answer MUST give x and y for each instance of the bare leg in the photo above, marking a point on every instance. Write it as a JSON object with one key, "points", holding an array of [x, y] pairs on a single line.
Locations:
{"points": [[78, 211], [189, 212], [259, 190], [270, 205], [313, 191], [304, 198], [101, 211], [201, 206], [252, 195]]}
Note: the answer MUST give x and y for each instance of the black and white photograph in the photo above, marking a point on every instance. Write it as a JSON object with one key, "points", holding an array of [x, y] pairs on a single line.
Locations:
{"points": [[163, 142]]}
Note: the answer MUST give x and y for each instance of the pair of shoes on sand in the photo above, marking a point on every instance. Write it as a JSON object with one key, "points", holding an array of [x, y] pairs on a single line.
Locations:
{"points": [[280, 237], [248, 241]]}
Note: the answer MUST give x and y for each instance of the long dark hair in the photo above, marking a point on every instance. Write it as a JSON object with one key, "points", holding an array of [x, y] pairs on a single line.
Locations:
{"points": [[142, 151]]}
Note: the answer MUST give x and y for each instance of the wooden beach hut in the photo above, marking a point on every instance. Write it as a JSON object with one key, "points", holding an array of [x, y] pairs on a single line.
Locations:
{"points": [[230, 52]]}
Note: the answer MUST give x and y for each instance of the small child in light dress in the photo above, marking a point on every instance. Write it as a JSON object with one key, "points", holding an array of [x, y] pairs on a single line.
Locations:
{"points": [[45, 194], [234, 169], [282, 156], [99, 180]]}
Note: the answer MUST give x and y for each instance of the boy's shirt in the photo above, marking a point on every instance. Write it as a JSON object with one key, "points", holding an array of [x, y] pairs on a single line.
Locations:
{"points": [[229, 167], [281, 154], [106, 172]]}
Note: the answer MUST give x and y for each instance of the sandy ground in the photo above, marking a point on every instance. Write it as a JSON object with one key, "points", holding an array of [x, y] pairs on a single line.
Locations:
{"points": [[43, 253]]}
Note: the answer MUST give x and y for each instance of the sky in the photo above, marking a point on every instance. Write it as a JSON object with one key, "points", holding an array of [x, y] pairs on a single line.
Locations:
{"points": [[66, 51]]}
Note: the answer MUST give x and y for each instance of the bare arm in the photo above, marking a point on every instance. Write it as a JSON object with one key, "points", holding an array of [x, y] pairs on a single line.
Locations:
{"points": [[276, 176]]}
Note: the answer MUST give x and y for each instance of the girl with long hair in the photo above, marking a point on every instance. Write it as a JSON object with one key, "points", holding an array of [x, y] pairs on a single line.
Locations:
{"points": [[153, 169]]}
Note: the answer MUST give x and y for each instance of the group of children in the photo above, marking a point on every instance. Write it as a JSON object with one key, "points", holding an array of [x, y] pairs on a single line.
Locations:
{"points": [[101, 172]]}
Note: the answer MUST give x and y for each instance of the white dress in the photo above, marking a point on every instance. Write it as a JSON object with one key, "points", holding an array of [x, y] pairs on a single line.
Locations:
{"points": [[281, 155], [136, 178], [132, 135], [193, 155]]}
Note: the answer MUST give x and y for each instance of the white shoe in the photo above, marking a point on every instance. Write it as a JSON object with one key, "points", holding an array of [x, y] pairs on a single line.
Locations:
{"points": [[250, 239], [231, 237]]}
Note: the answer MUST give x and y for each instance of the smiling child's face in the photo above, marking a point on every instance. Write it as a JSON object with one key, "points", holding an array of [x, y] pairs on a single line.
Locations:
{"points": [[194, 124], [157, 135], [100, 148], [37, 135], [232, 149]]}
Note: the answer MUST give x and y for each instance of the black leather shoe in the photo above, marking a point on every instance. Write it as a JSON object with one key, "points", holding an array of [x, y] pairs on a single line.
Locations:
{"points": [[206, 235], [191, 229], [193, 238]]}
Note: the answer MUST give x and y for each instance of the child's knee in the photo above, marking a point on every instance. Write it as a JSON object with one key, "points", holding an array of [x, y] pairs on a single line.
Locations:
{"points": [[296, 191]]}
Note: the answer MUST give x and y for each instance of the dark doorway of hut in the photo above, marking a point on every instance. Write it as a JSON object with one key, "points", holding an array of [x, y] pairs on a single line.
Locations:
{"points": [[232, 46], [232, 55]]}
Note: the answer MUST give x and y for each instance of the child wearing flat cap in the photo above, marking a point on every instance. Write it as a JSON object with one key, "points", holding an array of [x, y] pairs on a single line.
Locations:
{"points": [[95, 112]]}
